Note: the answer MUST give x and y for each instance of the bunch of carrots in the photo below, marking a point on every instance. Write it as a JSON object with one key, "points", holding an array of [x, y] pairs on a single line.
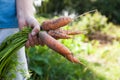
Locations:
{"points": [[51, 31]]}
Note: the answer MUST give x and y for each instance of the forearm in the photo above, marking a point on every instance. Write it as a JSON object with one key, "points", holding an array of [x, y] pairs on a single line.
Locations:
{"points": [[25, 15], [25, 8]]}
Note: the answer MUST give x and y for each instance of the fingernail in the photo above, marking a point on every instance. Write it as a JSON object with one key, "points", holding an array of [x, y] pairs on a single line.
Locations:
{"points": [[33, 33]]}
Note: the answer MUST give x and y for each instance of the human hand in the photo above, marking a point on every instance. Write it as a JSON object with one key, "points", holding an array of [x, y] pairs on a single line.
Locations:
{"points": [[25, 15], [25, 21]]}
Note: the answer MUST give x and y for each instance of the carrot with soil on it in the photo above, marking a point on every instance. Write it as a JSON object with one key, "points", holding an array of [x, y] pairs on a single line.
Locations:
{"points": [[57, 46], [63, 34], [55, 23], [58, 35]]}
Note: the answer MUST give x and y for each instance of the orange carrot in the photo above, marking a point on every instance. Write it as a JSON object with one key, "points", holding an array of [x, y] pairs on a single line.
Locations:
{"points": [[55, 23], [57, 46], [58, 35], [62, 34]]}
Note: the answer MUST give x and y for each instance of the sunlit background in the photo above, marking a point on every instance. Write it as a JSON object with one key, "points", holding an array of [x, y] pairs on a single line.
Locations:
{"points": [[98, 47]]}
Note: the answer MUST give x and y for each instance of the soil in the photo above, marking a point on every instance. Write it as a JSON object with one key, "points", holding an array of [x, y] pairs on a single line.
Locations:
{"points": [[101, 37]]}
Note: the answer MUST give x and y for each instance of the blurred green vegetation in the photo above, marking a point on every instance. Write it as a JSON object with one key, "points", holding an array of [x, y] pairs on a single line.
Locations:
{"points": [[109, 8], [101, 61]]}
